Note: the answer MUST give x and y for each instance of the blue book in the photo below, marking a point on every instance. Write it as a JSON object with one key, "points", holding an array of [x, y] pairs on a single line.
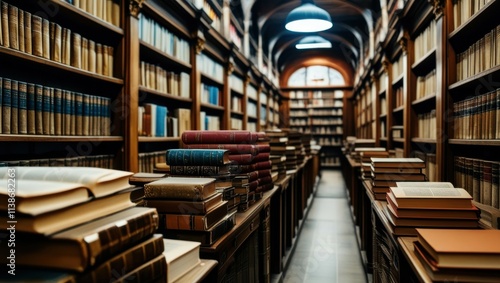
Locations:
{"points": [[213, 157], [22, 113], [161, 114], [46, 104], [14, 107], [39, 109], [6, 105], [58, 111], [30, 105]]}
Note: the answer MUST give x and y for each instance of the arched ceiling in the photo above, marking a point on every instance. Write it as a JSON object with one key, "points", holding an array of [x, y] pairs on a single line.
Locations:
{"points": [[352, 22]]}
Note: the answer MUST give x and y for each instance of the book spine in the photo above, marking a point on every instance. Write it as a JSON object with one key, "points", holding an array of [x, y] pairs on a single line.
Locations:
{"points": [[195, 157], [58, 111], [23, 119], [45, 39], [79, 113], [46, 110], [14, 107], [28, 44], [76, 52], [6, 105], [36, 28], [487, 188], [39, 109], [5, 24], [14, 27], [176, 192], [22, 44], [194, 170], [67, 112], [56, 42], [223, 137], [30, 106]]}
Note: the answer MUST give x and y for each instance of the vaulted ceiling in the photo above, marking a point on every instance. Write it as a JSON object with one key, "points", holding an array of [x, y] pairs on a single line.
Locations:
{"points": [[352, 22]]}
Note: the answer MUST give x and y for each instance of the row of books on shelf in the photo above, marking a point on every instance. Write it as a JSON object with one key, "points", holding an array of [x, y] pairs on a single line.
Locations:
{"points": [[330, 161], [156, 78], [480, 56], [426, 85], [397, 67], [252, 109], [425, 41], [31, 34], [334, 112], [99, 161], [155, 121], [465, 9], [164, 40], [477, 117], [213, 15], [479, 178], [427, 125], [327, 130], [236, 83], [209, 122], [29, 108], [234, 36], [236, 124], [107, 10], [328, 141], [299, 122], [236, 104], [210, 94], [382, 82], [325, 102], [150, 162], [398, 97], [210, 67], [326, 121], [383, 105], [430, 164]]}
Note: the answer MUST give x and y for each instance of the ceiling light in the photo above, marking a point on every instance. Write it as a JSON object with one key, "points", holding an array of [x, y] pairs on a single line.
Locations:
{"points": [[310, 42], [308, 18]]}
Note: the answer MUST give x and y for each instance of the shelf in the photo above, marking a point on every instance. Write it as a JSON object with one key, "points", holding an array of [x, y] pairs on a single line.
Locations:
{"points": [[238, 113], [43, 138], [324, 107], [485, 80], [156, 56], [427, 102], [382, 92], [236, 92], [423, 140], [210, 79], [398, 110], [475, 27], [383, 116], [159, 139], [212, 106], [398, 139], [146, 90], [383, 139], [474, 142], [251, 117], [398, 80], [332, 134], [425, 64]]}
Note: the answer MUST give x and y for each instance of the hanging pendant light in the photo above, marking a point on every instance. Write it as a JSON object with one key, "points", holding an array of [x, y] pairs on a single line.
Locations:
{"points": [[308, 18], [313, 42]]}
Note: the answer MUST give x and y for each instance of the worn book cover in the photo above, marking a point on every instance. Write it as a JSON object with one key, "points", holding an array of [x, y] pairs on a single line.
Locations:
{"points": [[181, 256], [185, 188], [194, 222], [219, 137], [211, 157], [184, 206]]}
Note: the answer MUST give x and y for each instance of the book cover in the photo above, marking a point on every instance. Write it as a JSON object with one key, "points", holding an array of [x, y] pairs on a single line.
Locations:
{"points": [[465, 251], [184, 206], [6, 105], [23, 108], [429, 222], [13, 27], [398, 162], [181, 256], [88, 244], [194, 222], [5, 24], [14, 107], [219, 137], [20, 26], [212, 157], [28, 43], [199, 170], [412, 197], [195, 189], [232, 148]]}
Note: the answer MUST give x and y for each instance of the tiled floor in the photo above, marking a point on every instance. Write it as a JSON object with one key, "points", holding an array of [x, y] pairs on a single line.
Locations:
{"points": [[326, 250]]}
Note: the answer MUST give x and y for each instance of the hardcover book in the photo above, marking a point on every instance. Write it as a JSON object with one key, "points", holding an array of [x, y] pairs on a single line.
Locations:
{"points": [[412, 197], [398, 162], [194, 222], [184, 206], [212, 157], [181, 256], [220, 137], [199, 170], [232, 148], [195, 189]]}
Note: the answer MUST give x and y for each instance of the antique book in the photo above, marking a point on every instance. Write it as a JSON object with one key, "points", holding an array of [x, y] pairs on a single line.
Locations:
{"points": [[20, 26], [195, 189], [46, 39], [46, 107], [13, 27], [181, 256], [465, 251], [88, 244], [76, 51], [28, 43], [398, 162], [85, 54], [79, 113], [107, 271], [412, 197], [425, 184], [219, 137], [6, 106], [199, 170], [430, 222], [398, 177], [184, 206], [232, 148], [194, 222], [58, 105], [142, 178], [213, 157], [55, 42], [395, 170], [5, 24], [14, 107], [242, 158], [99, 58], [39, 109], [92, 56]]}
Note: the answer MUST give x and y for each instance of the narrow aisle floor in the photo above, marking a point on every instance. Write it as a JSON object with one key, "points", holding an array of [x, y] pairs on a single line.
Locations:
{"points": [[326, 250]]}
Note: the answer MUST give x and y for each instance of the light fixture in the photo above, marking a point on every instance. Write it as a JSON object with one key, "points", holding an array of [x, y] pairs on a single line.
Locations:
{"points": [[308, 18], [310, 42]]}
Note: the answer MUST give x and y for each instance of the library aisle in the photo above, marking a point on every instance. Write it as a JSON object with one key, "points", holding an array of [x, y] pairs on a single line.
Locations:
{"points": [[326, 250]]}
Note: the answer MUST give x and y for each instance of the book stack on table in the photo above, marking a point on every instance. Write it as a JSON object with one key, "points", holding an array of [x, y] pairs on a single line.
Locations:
{"points": [[189, 208], [413, 205], [77, 224], [387, 171], [458, 255], [363, 156], [278, 140], [249, 163]]}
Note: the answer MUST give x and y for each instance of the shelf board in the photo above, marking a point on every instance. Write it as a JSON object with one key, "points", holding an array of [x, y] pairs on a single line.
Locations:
{"points": [[398, 139], [467, 33], [331, 134], [398, 80], [483, 80], [474, 142], [252, 117], [212, 106], [325, 115], [425, 64], [210, 79], [383, 116], [237, 93], [239, 113], [398, 109], [423, 140], [382, 92], [428, 99], [159, 139], [154, 54], [43, 138], [165, 95], [383, 139], [255, 100]]}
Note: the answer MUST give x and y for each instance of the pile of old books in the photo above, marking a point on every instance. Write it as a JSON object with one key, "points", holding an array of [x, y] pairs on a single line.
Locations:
{"points": [[459, 255], [413, 205], [278, 140], [77, 224], [189, 208], [363, 156], [249, 163], [387, 171]]}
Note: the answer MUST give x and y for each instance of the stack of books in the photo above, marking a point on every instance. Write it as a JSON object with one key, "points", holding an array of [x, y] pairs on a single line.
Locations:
{"points": [[352, 143], [249, 152], [77, 225], [277, 141], [189, 208], [306, 144], [457, 255], [429, 204], [363, 156], [387, 171]]}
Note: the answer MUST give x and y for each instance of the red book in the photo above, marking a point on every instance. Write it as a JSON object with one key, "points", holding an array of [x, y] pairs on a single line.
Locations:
{"points": [[241, 158], [265, 180], [232, 148], [262, 165], [219, 137], [265, 187], [263, 148], [263, 173], [262, 156]]}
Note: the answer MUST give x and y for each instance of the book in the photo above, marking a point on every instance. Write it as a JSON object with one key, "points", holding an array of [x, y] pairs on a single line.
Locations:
{"points": [[395, 170], [88, 244], [182, 256], [194, 222], [5, 24], [465, 251], [184, 206], [6, 104], [219, 137], [398, 162], [199, 170], [429, 222], [412, 197], [122, 263], [398, 177], [142, 178], [46, 39], [425, 184], [13, 27], [212, 157], [195, 189], [14, 107]]}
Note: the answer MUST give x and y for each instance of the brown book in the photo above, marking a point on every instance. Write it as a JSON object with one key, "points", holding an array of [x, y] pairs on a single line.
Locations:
{"points": [[142, 178], [56, 42], [38, 109], [219, 137], [195, 189], [105, 60], [429, 222], [46, 100], [116, 13], [86, 115], [99, 58], [397, 177], [85, 54], [36, 28], [28, 43], [194, 222], [45, 39], [22, 112], [73, 114], [76, 51], [92, 56], [89, 244], [58, 112], [66, 46], [14, 107], [79, 113], [67, 112], [465, 251], [20, 25], [398, 162], [14, 27], [413, 197], [52, 130], [5, 24], [183, 206]]}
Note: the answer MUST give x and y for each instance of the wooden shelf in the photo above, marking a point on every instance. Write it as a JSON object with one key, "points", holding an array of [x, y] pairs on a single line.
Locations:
{"points": [[236, 93], [425, 64], [154, 55], [424, 140], [383, 116], [159, 139], [397, 81], [398, 139], [481, 81], [398, 109], [210, 79], [212, 106], [146, 90], [475, 142], [237, 113], [42, 138]]}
